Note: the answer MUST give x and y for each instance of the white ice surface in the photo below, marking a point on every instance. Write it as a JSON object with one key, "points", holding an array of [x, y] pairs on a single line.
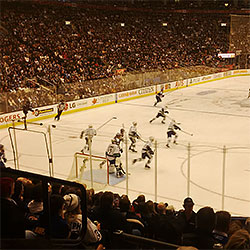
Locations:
{"points": [[213, 112]]}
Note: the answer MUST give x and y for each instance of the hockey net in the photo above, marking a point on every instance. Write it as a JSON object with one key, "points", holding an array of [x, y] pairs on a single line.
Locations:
{"points": [[91, 170]]}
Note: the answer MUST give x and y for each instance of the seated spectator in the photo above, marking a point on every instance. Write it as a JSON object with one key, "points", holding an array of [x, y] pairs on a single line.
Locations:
{"points": [[110, 218], [12, 217], [239, 240], [220, 232], [202, 238], [35, 206], [186, 217], [18, 196], [164, 229], [59, 226], [73, 217], [234, 226]]}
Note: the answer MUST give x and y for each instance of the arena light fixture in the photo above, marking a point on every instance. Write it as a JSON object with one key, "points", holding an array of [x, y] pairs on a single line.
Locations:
{"points": [[164, 24], [122, 24]]}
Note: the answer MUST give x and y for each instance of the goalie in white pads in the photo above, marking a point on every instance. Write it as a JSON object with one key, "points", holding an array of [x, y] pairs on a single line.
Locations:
{"points": [[89, 133], [113, 155], [146, 152], [133, 135], [173, 126], [161, 113]]}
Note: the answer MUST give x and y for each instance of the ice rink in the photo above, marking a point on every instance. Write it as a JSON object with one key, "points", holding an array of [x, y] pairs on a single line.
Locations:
{"points": [[218, 115]]}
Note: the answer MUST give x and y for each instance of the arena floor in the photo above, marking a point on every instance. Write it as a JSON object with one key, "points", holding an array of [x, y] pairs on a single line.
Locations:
{"points": [[216, 113]]}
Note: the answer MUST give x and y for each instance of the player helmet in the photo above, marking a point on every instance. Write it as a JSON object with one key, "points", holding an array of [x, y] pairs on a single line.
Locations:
{"points": [[134, 123], [122, 131], [1, 146], [90, 126], [118, 135], [151, 138]]}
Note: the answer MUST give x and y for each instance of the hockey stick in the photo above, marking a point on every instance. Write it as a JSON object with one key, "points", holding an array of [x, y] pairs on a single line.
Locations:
{"points": [[106, 122], [185, 132]]}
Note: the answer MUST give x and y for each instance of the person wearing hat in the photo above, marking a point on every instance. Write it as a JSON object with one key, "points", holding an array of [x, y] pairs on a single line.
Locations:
{"points": [[2, 156], [186, 217], [73, 217]]}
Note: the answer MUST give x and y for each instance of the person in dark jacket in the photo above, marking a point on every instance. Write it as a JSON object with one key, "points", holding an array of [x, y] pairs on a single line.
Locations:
{"points": [[12, 217], [202, 238]]}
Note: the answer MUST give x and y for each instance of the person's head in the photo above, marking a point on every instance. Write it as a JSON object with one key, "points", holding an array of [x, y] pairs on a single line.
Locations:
{"points": [[72, 203], [56, 204], [141, 198], [234, 226], [19, 189], [239, 240], [37, 192], [151, 207], [188, 205], [205, 219], [106, 201], [124, 204], [7, 187], [161, 208], [223, 219]]}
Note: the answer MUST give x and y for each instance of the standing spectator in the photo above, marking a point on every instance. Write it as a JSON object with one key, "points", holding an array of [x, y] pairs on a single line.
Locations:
{"points": [[186, 217], [60, 108], [3, 159], [12, 217]]}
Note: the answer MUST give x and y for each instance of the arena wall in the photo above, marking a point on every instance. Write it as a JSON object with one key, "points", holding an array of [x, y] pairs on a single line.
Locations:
{"points": [[50, 111]]}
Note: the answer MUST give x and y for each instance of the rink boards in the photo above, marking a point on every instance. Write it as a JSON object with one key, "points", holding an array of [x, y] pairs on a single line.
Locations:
{"points": [[46, 112]]}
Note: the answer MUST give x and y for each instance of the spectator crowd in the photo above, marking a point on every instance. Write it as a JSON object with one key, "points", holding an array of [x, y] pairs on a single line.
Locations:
{"points": [[108, 212], [75, 48]]}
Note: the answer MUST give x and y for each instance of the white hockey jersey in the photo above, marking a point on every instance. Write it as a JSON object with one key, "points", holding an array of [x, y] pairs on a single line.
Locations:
{"points": [[112, 151], [147, 148], [173, 126], [90, 132], [133, 131]]}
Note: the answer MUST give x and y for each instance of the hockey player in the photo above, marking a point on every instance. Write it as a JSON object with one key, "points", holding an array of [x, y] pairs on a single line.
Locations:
{"points": [[2, 156], [173, 126], [60, 108], [161, 113], [119, 138], [158, 96], [90, 132], [26, 109], [146, 152], [113, 155], [133, 135]]}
